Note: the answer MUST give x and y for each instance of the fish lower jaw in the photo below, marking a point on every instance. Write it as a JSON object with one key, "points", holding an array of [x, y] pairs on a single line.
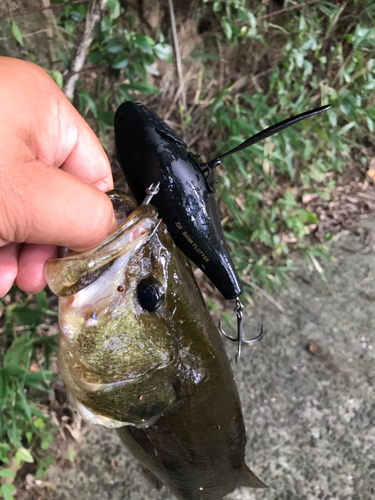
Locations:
{"points": [[93, 418]]}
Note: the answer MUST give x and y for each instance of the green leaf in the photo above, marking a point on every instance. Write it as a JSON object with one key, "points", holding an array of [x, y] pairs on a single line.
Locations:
{"points": [[216, 6], [114, 8], [345, 106], [76, 16], [227, 28], [97, 57], [43, 376], [64, 59], [105, 24], [24, 402], [43, 465], [299, 56], [120, 62], [4, 448], [142, 87], [370, 124], [41, 297], [57, 78], [70, 27], [17, 358], [332, 116], [302, 23], [39, 424], [3, 386], [23, 455], [6, 491], [16, 33], [85, 99], [143, 44], [163, 51], [7, 473], [26, 316], [39, 387], [252, 20], [46, 441], [346, 128], [114, 46], [150, 69]]}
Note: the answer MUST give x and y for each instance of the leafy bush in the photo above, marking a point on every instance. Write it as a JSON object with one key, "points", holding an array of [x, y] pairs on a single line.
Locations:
{"points": [[22, 423], [323, 61]]}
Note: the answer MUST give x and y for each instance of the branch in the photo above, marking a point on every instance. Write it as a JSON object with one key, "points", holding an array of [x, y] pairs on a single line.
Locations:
{"points": [[91, 19], [265, 294], [287, 9], [177, 54], [33, 11]]}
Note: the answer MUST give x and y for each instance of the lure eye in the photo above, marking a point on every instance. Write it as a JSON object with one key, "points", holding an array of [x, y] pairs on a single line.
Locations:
{"points": [[150, 293]]}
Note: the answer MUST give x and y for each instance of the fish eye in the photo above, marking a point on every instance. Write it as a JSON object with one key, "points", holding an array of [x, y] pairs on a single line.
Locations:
{"points": [[150, 293]]}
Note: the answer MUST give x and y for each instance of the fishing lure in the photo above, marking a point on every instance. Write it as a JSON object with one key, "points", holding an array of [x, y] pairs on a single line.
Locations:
{"points": [[155, 160]]}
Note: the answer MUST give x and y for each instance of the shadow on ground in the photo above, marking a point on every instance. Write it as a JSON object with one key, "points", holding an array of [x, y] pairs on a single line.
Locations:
{"points": [[309, 413]]}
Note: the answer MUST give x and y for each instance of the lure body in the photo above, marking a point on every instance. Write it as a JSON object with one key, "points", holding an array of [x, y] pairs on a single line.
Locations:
{"points": [[150, 152]]}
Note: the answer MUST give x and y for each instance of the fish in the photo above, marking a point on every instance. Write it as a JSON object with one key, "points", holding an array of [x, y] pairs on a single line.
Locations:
{"points": [[139, 352]]}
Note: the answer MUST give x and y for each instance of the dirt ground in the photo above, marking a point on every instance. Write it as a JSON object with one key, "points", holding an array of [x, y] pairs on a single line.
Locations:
{"points": [[307, 391]]}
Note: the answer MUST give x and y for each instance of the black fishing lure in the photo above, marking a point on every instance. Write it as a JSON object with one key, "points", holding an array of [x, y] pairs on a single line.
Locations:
{"points": [[152, 155]]}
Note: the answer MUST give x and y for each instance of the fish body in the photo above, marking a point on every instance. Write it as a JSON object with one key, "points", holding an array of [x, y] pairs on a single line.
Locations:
{"points": [[139, 352]]}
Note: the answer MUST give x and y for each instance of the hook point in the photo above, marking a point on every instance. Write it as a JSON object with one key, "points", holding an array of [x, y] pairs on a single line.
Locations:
{"points": [[239, 310]]}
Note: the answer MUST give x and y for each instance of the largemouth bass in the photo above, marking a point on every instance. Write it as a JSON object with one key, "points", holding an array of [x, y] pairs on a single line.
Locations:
{"points": [[140, 352]]}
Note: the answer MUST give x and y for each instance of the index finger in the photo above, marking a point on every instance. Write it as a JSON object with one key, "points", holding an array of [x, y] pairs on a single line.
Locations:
{"points": [[52, 128], [80, 152]]}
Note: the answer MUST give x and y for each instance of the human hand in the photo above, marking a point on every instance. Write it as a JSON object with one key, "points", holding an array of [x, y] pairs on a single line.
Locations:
{"points": [[53, 172]]}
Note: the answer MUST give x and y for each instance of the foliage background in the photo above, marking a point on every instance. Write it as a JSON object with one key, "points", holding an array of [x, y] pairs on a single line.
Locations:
{"points": [[245, 65]]}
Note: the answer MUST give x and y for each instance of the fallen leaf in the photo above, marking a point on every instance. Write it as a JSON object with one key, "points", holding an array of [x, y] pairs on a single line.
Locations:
{"points": [[307, 197], [351, 199], [76, 435], [371, 173]]}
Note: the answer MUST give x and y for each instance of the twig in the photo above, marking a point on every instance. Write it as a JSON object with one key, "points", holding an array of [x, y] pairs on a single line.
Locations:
{"points": [[317, 266], [335, 19], [46, 30], [51, 23], [221, 62], [8, 10], [293, 7], [265, 294], [33, 11], [366, 196], [177, 54], [91, 19]]}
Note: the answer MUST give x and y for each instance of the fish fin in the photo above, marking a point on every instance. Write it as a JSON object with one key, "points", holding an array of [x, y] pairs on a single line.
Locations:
{"points": [[250, 480], [152, 479]]}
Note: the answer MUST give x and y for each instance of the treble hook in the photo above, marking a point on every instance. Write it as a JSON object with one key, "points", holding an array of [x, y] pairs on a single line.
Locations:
{"points": [[151, 191], [239, 310]]}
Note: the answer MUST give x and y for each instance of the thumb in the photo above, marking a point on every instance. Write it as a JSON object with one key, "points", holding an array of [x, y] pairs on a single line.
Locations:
{"points": [[46, 205]]}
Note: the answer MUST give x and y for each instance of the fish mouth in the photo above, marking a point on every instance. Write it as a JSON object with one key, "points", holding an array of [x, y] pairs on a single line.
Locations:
{"points": [[68, 275], [90, 307]]}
